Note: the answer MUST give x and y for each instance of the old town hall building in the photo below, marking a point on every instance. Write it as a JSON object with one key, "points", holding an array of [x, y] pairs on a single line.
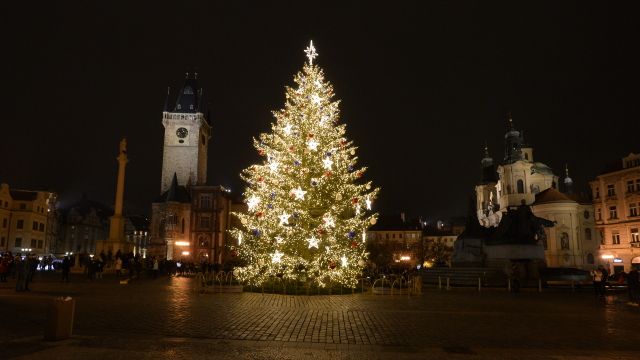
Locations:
{"points": [[190, 218]]}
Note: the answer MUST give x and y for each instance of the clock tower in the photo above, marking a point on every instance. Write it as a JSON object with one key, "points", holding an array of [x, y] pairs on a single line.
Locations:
{"points": [[186, 138]]}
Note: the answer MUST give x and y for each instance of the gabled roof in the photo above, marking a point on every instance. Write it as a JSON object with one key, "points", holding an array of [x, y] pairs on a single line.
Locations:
{"points": [[176, 193], [552, 195]]}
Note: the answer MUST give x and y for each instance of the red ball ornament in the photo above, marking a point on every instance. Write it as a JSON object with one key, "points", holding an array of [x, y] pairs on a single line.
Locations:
{"points": [[259, 214], [261, 152], [359, 174], [328, 173], [310, 136], [354, 244], [332, 265], [354, 201], [321, 231], [291, 148], [260, 179], [234, 253]]}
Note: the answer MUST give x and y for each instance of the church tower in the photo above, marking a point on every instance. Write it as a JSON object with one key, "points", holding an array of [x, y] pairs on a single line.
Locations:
{"points": [[186, 137]]}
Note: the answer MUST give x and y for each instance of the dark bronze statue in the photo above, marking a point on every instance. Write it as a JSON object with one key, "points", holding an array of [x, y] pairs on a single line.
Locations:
{"points": [[520, 226]]}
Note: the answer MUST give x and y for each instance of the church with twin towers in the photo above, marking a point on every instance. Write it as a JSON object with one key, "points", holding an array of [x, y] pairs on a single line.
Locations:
{"points": [[190, 217]]}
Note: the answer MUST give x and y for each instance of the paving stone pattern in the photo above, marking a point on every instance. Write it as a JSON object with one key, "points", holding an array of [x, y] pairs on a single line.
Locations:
{"points": [[456, 322]]}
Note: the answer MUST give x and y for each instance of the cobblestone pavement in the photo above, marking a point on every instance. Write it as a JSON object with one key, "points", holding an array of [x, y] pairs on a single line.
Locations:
{"points": [[166, 318]]}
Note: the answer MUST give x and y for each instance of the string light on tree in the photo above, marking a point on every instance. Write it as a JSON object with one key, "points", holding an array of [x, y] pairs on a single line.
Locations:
{"points": [[308, 181]]}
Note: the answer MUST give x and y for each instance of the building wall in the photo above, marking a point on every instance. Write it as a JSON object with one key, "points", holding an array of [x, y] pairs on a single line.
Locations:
{"points": [[619, 243], [568, 244], [28, 224], [186, 157], [5, 216], [407, 244]]}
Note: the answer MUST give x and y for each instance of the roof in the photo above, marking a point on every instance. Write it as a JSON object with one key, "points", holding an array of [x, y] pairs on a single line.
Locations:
{"points": [[552, 195], [541, 168], [189, 96], [393, 223], [23, 195], [176, 193]]}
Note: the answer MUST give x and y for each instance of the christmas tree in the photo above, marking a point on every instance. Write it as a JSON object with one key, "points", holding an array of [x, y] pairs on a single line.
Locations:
{"points": [[308, 207]]}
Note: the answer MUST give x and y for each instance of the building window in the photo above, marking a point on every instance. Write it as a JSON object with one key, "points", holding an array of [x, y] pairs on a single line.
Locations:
{"points": [[2, 241], [638, 185], [602, 242], [33, 243], [205, 222], [597, 194], [23, 206], [611, 190], [635, 236], [20, 224], [4, 223], [615, 239], [34, 226], [182, 226], [203, 241], [41, 227], [633, 209], [520, 185], [400, 235], [587, 234], [613, 212], [590, 259], [386, 236], [18, 242], [205, 201], [39, 244], [564, 241], [598, 214], [630, 186]]}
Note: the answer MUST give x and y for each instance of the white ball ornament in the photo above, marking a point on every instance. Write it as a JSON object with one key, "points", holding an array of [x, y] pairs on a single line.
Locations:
{"points": [[338, 197], [373, 221], [361, 263]]}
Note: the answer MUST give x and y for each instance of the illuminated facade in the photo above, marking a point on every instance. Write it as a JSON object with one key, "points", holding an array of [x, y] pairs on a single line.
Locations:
{"points": [[190, 218], [616, 199], [27, 220]]}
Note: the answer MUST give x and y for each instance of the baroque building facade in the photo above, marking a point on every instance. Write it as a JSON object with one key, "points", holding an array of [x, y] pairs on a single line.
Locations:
{"points": [[520, 179], [616, 199], [190, 218]]}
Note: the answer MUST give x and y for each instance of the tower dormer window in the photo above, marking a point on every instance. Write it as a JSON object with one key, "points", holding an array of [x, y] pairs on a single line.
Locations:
{"points": [[191, 107], [179, 107]]}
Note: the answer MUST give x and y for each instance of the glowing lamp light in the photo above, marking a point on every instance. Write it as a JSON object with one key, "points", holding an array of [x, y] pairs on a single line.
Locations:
{"points": [[185, 253], [607, 256], [405, 258], [182, 243]]}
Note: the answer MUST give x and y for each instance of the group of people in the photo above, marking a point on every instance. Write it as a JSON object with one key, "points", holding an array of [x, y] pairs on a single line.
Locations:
{"points": [[601, 279], [22, 267]]}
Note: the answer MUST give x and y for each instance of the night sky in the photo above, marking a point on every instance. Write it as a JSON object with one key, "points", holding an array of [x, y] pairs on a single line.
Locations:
{"points": [[423, 85]]}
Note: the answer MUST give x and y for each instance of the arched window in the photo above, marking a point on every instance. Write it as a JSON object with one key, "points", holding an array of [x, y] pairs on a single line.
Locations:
{"points": [[520, 185], [587, 234], [203, 241], [590, 259]]}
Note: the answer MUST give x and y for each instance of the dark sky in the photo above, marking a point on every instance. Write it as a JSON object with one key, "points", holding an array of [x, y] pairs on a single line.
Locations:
{"points": [[423, 85]]}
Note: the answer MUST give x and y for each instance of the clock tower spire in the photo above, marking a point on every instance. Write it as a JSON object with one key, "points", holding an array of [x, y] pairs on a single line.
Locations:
{"points": [[186, 137]]}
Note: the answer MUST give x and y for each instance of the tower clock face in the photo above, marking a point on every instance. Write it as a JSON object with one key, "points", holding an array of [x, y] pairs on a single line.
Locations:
{"points": [[182, 132]]}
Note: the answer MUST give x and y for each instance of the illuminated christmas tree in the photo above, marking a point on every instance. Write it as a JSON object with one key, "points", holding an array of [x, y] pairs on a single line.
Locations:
{"points": [[308, 207]]}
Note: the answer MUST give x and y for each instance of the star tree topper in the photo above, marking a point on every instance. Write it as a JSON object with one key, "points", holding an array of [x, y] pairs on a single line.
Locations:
{"points": [[311, 52]]}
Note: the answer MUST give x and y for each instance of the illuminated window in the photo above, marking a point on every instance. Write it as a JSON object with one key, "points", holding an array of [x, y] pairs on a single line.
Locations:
{"points": [[635, 236], [615, 238]]}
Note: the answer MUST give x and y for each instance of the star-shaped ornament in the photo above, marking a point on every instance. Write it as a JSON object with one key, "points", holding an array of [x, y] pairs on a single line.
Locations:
{"points": [[327, 163], [284, 219], [287, 129], [329, 222], [279, 239], [313, 242], [311, 52], [299, 193], [276, 257], [313, 145], [253, 202], [368, 202], [273, 166], [343, 259]]}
